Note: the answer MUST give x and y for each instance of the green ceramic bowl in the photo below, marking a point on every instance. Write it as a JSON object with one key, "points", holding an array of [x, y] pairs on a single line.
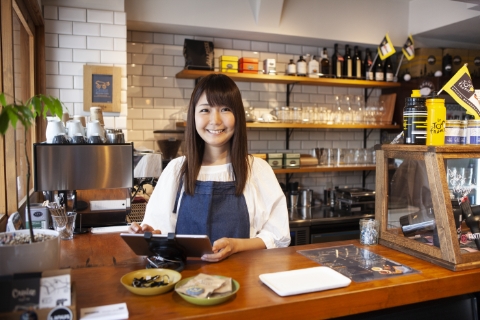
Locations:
{"points": [[207, 301], [127, 279]]}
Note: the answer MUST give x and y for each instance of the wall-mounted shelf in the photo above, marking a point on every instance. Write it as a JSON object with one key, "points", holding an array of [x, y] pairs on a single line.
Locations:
{"points": [[325, 169], [282, 125], [249, 77]]}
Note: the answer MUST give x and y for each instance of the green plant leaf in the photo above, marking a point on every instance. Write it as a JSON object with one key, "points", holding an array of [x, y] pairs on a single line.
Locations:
{"points": [[3, 101], [4, 121]]}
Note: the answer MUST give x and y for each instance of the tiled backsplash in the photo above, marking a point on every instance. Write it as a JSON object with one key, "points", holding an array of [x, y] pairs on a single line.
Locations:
{"points": [[156, 100]]}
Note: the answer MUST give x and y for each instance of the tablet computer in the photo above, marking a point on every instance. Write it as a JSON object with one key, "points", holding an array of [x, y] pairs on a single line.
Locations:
{"points": [[194, 245]]}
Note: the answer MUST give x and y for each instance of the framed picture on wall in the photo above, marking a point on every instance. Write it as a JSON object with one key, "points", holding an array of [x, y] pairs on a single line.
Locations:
{"points": [[101, 88]]}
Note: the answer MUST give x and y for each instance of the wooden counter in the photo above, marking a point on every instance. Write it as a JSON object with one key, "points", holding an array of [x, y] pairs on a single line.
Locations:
{"points": [[99, 261]]}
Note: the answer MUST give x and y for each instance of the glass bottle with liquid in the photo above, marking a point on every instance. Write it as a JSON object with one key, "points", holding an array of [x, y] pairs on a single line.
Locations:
{"points": [[357, 63], [325, 64], [313, 68], [301, 67], [436, 117], [367, 65], [388, 70], [291, 68], [378, 70], [337, 62], [347, 63]]}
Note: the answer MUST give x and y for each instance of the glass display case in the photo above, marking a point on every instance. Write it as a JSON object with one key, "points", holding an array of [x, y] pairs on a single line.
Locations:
{"points": [[427, 202]]}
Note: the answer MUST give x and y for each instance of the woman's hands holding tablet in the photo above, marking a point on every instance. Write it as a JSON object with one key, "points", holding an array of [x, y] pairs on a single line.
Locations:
{"points": [[136, 228], [224, 247]]}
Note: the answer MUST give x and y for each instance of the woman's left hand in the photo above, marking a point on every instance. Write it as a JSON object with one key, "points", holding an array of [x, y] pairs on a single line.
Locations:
{"points": [[222, 248]]}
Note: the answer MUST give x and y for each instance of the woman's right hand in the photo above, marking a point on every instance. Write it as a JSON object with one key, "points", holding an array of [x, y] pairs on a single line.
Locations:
{"points": [[136, 228]]}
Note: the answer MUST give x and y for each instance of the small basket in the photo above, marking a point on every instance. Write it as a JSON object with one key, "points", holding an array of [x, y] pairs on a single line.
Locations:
{"points": [[137, 212]]}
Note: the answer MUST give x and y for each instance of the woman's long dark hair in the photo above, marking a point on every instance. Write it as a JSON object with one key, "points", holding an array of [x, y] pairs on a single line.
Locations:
{"points": [[220, 90]]}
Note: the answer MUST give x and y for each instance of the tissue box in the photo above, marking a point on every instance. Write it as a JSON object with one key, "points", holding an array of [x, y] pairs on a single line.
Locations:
{"points": [[40, 217], [275, 160], [291, 160], [229, 64], [269, 66], [248, 65]]}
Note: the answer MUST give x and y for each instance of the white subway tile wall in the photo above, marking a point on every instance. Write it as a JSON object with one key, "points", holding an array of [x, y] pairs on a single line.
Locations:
{"points": [[153, 61], [153, 99], [75, 37]]}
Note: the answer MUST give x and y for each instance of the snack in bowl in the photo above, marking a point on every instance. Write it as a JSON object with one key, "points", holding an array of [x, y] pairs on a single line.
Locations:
{"points": [[206, 289], [149, 282]]}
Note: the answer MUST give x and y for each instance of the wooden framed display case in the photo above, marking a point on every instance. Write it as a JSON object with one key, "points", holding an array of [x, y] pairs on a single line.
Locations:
{"points": [[417, 202]]}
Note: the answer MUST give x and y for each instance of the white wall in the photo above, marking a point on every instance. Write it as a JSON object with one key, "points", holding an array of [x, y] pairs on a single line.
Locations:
{"points": [[78, 36]]}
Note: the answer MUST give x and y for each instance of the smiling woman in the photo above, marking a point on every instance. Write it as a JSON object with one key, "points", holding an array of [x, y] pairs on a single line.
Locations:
{"points": [[218, 189]]}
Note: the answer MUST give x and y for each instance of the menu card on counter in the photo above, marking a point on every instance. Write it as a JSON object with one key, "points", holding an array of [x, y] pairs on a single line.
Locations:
{"points": [[357, 263]]}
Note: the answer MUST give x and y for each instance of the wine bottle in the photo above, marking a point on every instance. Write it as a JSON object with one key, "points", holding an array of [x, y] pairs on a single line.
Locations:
{"points": [[378, 70], [347, 63], [367, 64], [388, 70], [337, 62], [357, 63], [325, 64], [313, 68], [291, 68], [301, 67]]}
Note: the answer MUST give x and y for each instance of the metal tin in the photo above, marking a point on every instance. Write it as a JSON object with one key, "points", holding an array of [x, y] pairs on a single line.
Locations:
{"points": [[455, 132], [473, 132]]}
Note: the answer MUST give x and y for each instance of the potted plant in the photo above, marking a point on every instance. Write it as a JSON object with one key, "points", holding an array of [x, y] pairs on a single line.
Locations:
{"points": [[26, 113]]}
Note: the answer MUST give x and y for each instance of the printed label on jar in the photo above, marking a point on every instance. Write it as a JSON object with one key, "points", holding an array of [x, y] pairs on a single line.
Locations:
{"points": [[474, 134], [455, 135]]}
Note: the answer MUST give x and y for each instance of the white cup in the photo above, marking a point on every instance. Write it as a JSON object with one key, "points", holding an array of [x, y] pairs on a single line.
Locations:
{"points": [[267, 117], [96, 113], [81, 119], [95, 127], [54, 127], [74, 127]]}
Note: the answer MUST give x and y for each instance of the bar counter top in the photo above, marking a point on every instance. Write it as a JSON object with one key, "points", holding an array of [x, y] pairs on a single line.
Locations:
{"points": [[98, 261]]}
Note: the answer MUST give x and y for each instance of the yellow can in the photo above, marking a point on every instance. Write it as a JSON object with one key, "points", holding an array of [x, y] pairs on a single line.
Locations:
{"points": [[436, 117]]}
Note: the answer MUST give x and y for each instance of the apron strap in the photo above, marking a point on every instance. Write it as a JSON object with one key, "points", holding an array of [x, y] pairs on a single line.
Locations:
{"points": [[177, 197]]}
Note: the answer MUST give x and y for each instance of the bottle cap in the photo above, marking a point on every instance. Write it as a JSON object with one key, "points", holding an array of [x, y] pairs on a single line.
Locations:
{"points": [[416, 94]]}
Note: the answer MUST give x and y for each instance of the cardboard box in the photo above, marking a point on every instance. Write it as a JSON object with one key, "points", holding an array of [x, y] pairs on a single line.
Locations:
{"points": [[248, 65], [269, 66], [228, 64], [474, 63], [26, 283], [291, 160], [275, 160], [459, 58], [426, 62]]}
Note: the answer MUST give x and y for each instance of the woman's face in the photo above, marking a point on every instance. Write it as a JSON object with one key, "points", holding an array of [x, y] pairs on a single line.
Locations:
{"points": [[214, 124]]}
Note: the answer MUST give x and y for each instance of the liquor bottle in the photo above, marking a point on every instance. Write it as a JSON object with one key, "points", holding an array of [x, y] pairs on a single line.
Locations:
{"points": [[291, 68], [415, 119], [388, 70], [367, 64], [337, 62], [357, 64], [347, 63], [301, 67], [325, 64], [378, 70], [313, 68]]}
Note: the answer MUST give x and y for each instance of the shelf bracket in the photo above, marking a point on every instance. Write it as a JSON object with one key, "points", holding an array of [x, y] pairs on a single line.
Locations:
{"points": [[367, 95], [366, 134], [288, 133], [289, 91], [365, 175], [288, 176]]}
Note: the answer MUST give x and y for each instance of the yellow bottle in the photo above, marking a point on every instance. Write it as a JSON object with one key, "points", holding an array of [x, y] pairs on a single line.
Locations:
{"points": [[436, 116]]}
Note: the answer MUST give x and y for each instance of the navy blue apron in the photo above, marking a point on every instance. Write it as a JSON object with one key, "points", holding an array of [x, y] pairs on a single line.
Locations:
{"points": [[213, 210]]}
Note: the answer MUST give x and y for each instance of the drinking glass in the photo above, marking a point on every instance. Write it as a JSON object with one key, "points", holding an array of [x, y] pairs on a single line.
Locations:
{"points": [[64, 224]]}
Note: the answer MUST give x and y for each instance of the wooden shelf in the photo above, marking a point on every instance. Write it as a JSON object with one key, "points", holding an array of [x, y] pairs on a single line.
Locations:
{"points": [[324, 169], [282, 125], [249, 77]]}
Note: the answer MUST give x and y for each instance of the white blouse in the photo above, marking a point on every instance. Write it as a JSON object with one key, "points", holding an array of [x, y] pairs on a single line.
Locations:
{"points": [[266, 203]]}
